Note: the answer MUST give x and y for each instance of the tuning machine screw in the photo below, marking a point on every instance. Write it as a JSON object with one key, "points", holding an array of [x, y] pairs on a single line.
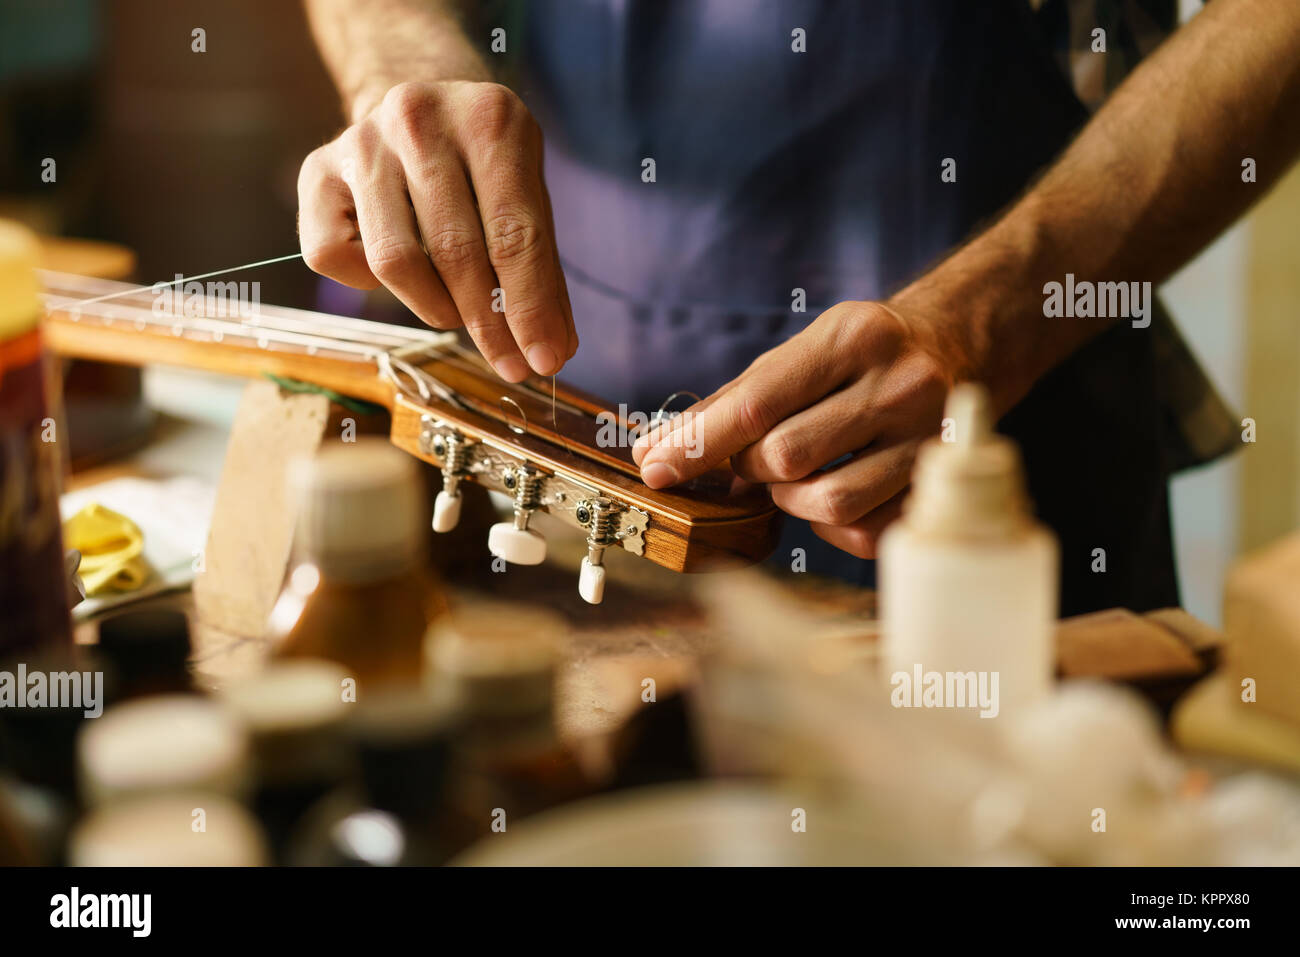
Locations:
{"points": [[516, 542]]}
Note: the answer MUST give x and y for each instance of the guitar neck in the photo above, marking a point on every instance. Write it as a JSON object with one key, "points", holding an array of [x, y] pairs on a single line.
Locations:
{"points": [[441, 396]]}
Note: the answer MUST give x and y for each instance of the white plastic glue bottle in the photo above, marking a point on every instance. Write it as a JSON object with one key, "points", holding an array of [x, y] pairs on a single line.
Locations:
{"points": [[967, 577]]}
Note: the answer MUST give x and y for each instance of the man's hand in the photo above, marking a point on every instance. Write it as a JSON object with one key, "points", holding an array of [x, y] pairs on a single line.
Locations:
{"points": [[860, 381], [437, 193]]}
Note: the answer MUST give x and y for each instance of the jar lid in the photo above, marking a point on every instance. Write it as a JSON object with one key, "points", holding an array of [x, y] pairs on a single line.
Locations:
{"points": [[163, 743], [496, 640], [289, 696], [361, 505]]}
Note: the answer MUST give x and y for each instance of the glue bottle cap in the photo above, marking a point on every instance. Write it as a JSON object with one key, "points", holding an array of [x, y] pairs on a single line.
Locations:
{"points": [[969, 481]]}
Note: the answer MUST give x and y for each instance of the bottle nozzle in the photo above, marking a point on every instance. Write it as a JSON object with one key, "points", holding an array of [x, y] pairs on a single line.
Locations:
{"points": [[971, 412], [969, 480]]}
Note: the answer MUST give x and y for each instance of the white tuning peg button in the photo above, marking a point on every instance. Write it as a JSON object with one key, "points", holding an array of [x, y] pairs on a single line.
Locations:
{"points": [[519, 546], [591, 582], [446, 511]]}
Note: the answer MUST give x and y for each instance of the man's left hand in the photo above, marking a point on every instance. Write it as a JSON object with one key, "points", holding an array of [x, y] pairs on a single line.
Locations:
{"points": [[859, 382]]}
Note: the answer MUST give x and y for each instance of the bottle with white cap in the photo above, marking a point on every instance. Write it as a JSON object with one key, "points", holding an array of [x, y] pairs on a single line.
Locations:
{"points": [[967, 577], [361, 593]]}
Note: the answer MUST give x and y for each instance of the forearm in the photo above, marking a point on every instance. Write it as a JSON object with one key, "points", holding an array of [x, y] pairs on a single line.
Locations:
{"points": [[1149, 182], [370, 46]]}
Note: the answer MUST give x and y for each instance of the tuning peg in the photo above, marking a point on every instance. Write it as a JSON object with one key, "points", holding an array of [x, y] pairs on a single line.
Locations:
{"points": [[591, 582], [599, 515], [516, 542], [446, 511], [519, 546], [446, 506]]}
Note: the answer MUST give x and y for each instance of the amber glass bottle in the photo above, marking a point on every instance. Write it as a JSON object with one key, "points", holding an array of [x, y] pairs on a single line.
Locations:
{"points": [[360, 592], [33, 589]]}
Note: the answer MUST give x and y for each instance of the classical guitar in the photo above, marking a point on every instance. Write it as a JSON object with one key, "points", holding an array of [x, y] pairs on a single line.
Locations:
{"points": [[539, 443]]}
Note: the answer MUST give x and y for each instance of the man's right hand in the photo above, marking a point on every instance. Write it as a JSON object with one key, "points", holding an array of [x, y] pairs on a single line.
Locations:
{"points": [[437, 193]]}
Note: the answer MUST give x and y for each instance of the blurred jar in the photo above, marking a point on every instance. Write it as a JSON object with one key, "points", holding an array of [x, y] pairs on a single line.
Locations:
{"points": [[294, 712], [494, 667], [397, 812], [33, 584], [360, 593], [147, 653], [38, 748], [162, 744], [190, 829]]}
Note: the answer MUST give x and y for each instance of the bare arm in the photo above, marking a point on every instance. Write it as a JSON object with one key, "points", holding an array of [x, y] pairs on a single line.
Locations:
{"points": [[1149, 182], [373, 46]]}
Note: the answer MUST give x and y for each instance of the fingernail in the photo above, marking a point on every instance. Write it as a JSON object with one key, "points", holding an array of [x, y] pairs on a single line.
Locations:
{"points": [[511, 369], [542, 358], [658, 475]]}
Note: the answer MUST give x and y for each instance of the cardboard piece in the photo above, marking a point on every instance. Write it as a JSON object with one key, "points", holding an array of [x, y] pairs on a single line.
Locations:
{"points": [[251, 536]]}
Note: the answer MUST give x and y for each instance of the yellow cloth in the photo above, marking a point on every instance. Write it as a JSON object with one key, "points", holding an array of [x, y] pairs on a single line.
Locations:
{"points": [[110, 546]]}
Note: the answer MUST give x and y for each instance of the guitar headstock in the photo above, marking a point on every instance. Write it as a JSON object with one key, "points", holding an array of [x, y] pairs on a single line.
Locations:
{"points": [[555, 458]]}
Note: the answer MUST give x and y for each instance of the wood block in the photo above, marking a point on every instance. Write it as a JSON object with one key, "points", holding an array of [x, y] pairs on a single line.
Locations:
{"points": [[1211, 719], [251, 536], [1194, 633], [1118, 645], [1261, 618]]}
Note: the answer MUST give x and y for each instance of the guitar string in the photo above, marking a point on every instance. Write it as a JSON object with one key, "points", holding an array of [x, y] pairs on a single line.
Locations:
{"points": [[180, 280], [184, 279], [457, 347]]}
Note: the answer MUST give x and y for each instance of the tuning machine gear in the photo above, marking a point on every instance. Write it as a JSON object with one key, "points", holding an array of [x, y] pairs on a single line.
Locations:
{"points": [[451, 448]]}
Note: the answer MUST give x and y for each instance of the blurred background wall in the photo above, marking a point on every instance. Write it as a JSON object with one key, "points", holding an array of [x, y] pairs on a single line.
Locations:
{"points": [[189, 158], [1238, 304]]}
